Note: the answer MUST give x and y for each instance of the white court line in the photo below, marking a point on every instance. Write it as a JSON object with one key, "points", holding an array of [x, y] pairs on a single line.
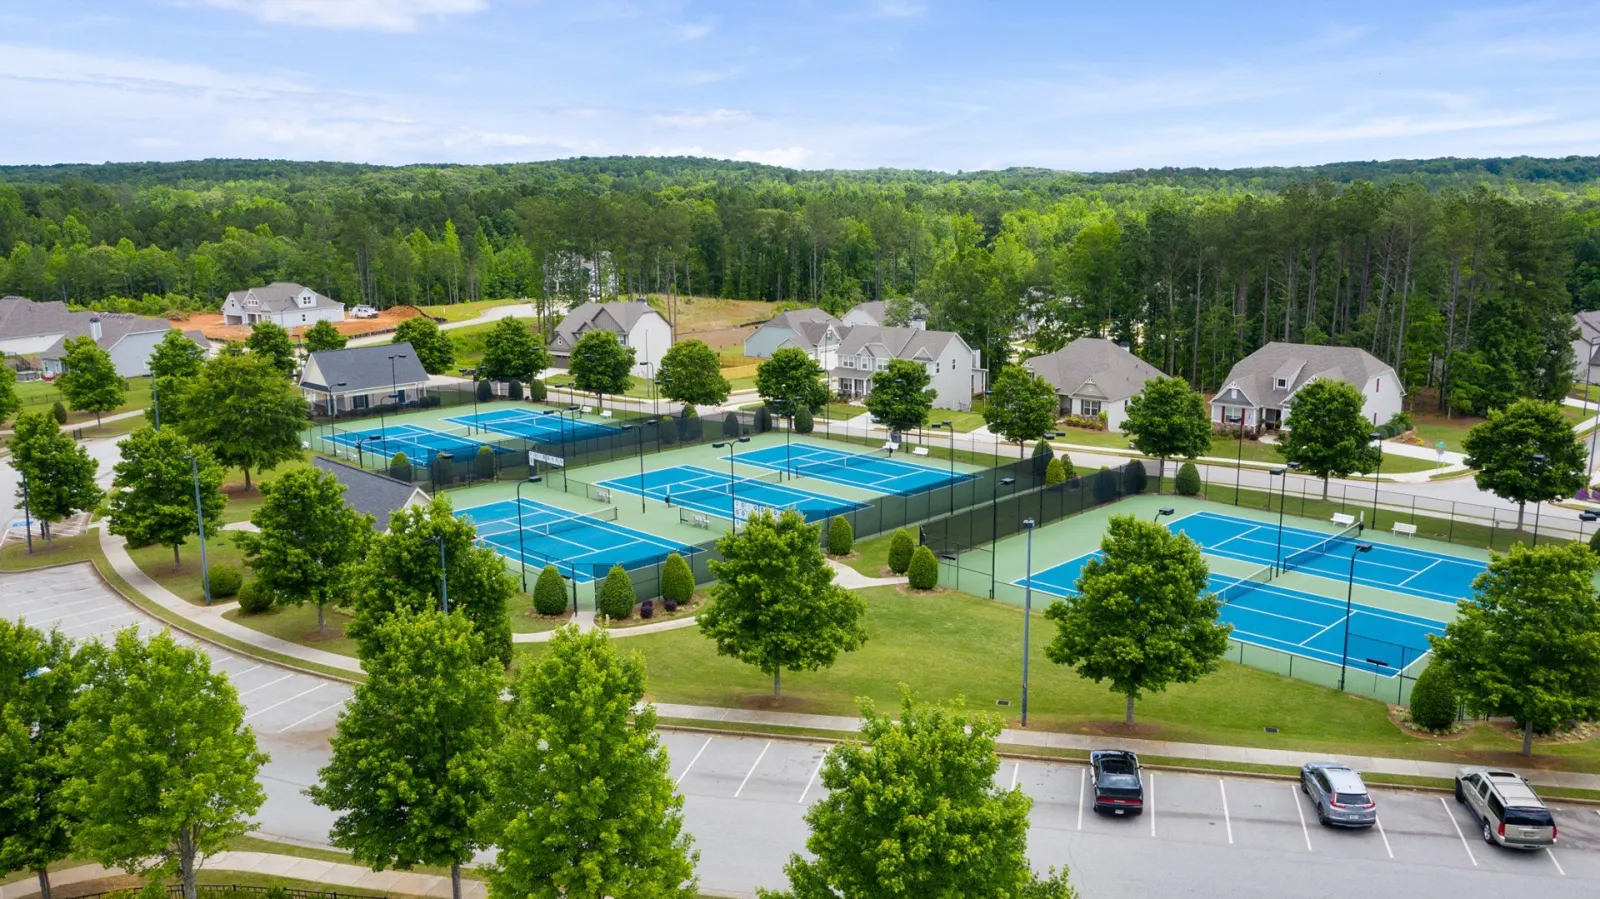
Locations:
{"points": [[696, 758], [284, 702], [1457, 825], [1325, 630], [1551, 852], [1150, 803], [1223, 786], [752, 771], [812, 779], [1419, 573], [1016, 769], [265, 685], [1300, 810], [1386, 847], [1083, 775], [312, 715]]}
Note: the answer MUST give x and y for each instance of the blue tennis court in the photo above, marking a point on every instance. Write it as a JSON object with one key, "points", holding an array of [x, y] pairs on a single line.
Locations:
{"points": [[736, 499], [1381, 642], [1416, 572], [582, 547], [874, 470], [532, 424], [418, 443]]}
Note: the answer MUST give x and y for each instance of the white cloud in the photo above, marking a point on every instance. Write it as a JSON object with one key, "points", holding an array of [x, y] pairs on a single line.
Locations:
{"points": [[350, 15], [694, 32], [790, 157], [701, 119]]}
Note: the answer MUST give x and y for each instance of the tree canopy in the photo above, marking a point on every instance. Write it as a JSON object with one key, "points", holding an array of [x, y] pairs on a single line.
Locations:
{"points": [[245, 412], [90, 382], [1168, 418], [153, 490], [10, 402], [900, 396], [434, 348], [512, 351], [42, 673], [176, 356], [271, 341], [58, 473], [1526, 453], [309, 540], [601, 365], [1326, 433], [691, 372], [791, 378], [1021, 406], [323, 336]]}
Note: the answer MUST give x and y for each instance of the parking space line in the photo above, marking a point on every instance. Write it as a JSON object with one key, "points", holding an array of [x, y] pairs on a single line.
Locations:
{"points": [[313, 715], [1294, 793], [45, 601], [284, 702], [1223, 786], [1150, 806], [234, 674], [692, 761], [752, 771], [1457, 825], [265, 685], [1552, 854], [1386, 847], [812, 779], [67, 630], [1083, 775], [1016, 771]]}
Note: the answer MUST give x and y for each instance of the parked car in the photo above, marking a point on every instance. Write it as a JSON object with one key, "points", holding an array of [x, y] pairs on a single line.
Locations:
{"points": [[1339, 794], [1117, 787], [1504, 803], [364, 311]]}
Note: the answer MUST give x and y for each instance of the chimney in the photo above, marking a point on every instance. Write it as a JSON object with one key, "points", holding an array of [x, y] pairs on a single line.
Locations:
{"points": [[94, 326], [918, 323]]}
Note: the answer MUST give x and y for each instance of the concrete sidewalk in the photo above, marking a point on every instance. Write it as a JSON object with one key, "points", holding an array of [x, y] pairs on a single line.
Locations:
{"points": [[331, 874]]}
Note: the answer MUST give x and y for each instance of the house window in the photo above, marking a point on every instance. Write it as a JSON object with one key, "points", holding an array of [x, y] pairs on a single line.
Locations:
{"points": [[1091, 408], [883, 364], [1377, 384], [1282, 383], [360, 401], [935, 368], [302, 318], [849, 362]]}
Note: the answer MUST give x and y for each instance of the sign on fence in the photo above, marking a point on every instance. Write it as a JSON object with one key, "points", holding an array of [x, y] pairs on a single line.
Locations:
{"points": [[535, 457]]}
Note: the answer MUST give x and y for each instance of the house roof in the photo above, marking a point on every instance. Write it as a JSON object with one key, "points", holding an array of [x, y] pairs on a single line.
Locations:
{"points": [[898, 343], [200, 339], [368, 493], [279, 297], [618, 317], [1589, 332], [22, 317], [362, 369], [1094, 367], [877, 309], [808, 325], [1255, 375]]}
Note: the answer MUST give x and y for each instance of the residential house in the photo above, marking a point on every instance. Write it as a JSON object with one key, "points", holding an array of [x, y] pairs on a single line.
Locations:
{"points": [[1094, 376], [203, 342], [281, 303], [955, 370], [1586, 348], [811, 330], [633, 321], [1261, 387], [875, 312], [370, 493], [357, 378], [41, 330]]}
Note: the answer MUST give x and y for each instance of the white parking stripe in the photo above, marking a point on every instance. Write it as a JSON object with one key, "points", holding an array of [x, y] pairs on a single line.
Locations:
{"points": [[1552, 854], [752, 771], [233, 674], [1223, 786], [1386, 847], [1457, 825], [1150, 803], [1083, 776], [16, 612], [265, 685], [313, 715], [68, 630], [284, 702], [812, 779], [1016, 770], [696, 758], [1294, 792]]}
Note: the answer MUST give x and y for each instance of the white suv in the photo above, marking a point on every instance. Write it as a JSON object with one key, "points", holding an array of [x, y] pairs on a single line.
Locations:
{"points": [[1511, 813], [364, 311]]}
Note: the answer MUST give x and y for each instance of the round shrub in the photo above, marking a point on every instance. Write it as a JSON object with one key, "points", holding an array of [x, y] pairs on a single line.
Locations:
{"points": [[1105, 486], [763, 420], [731, 426], [514, 389], [400, 467], [225, 580], [443, 469], [550, 592], [669, 430], [1594, 541], [803, 422], [901, 546], [616, 598], [1067, 471], [841, 537], [483, 463], [59, 413], [485, 391], [690, 427], [1054, 474], [253, 599], [1134, 478], [1187, 483], [1042, 454], [924, 571], [1433, 699], [677, 581], [537, 391]]}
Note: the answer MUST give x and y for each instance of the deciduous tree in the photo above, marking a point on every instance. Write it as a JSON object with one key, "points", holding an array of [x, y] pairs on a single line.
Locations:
{"points": [[90, 382], [1021, 407], [791, 379], [176, 356], [1526, 453], [323, 336], [601, 365], [245, 412], [511, 351], [900, 396], [58, 473], [271, 342], [308, 541], [691, 373], [10, 402], [1168, 418], [41, 673], [1327, 433], [433, 347], [153, 490]]}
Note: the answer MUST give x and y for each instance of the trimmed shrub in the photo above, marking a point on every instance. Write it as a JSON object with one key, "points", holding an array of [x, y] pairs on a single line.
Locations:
{"points": [[669, 430], [1054, 474], [901, 547], [430, 402], [59, 413], [691, 429], [1134, 478], [1594, 541], [731, 426], [1067, 470], [253, 600], [677, 582], [400, 467], [841, 537], [803, 422], [485, 391], [1433, 699], [537, 391], [514, 389], [1187, 483], [483, 463], [1042, 454], [616, 598], [763, 420], [550, 592], [647, 609], [442, 469], [924, 571], [225, 580], [1105, 486]]}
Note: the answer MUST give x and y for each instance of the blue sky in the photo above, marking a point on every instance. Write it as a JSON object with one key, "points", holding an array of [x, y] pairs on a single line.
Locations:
{"points": [[810, 83]]}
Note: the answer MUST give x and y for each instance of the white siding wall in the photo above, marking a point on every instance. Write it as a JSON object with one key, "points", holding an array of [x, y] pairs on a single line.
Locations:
{"points": [[1383, 398], [1116, 413], [131, 354], [651, 338], [953, 380], [305, 318]]}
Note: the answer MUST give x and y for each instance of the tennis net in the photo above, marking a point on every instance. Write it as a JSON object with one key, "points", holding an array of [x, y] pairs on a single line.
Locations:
{"points": [[842, 461], [1247, 584], [1348, 535], [508, 527]]}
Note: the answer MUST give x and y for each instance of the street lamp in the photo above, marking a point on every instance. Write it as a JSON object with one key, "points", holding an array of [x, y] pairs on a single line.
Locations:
{"points": [[733, 497], [522, 551], [1163, 513], [1538, 465], [1283, 500], [394, 384], [945, 425], [1027, 615], [1378, 439], [200, 517], [27, 510], [1238, 471], [444, 587], [638, 430], [1349, 591], [474, 373], [361, 458], [994, 527], [155, 401]]}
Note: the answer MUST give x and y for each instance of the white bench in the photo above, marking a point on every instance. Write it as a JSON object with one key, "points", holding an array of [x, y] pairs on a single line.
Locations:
{"points": [[605, 413], [890, 445], [1343, 520], [701, 520], [920, 451], [1410, 530], [586, 410]]}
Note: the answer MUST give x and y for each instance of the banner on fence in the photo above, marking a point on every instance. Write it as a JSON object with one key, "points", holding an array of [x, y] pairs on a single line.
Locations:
{"points": [[535, 457]]}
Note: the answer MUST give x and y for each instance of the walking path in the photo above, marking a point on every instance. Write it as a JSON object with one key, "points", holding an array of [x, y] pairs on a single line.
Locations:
{"points": [[331, 874]]}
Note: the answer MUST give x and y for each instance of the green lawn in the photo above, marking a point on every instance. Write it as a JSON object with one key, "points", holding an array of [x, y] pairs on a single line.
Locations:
{"points": [[39, 396], [184, 581], [1230, 449], [460, 312], [298, 624], [14, 555]]}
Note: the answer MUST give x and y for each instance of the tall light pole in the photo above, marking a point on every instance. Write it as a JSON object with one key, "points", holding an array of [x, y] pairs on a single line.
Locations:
{"points": [[638, 430], [994, 527], [1277, 564], [1349, 591], [394, 384], [200, 517], [733, 482], [1238, 471], [155, 401], [1163, 513], [1378, 439], [27, 511], [1027, 616], [1538, 467], [444, 586], [475, 420], [947, 426], [522, 545], [361, 458]]}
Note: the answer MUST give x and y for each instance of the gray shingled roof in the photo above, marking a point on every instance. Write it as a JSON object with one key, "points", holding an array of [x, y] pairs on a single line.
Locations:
{"points": [[1589, 331], [900, 343], [22, 317], [279, 297], [618, 317], [1094, 367], [877, 309], [370, 494], [365, 368], [808, 325], [1254, 375]]}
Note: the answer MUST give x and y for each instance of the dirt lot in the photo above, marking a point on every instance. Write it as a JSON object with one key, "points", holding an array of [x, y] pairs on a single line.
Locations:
{"points": [[211, 324], [719, 323]]}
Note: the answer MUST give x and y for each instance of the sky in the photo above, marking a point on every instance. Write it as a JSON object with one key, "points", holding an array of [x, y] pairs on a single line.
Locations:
{"points": [[813, 84]]}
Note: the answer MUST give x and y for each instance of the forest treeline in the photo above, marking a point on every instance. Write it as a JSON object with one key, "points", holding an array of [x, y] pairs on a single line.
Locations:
{"points": [[1462, 273]]}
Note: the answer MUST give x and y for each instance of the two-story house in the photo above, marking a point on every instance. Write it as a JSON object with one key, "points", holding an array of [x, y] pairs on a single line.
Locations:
{"points": [[811, 330], [282, 303], [41, 330], [876, 312], [955, 370], [1094, 376], [1261, 387], [633, 321]]}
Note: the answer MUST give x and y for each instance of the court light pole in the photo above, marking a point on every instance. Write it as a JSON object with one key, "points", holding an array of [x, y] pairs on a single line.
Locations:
{"points": [[474, 373], [394, 384], [1238, 471], [1277, 564], [522, 550], [948, 427], [200, 517], [361, 457], [638, 430], [1538, 467], [733, 483], [1163, 513], [1377, 438], [444, 586], [994, 527], [1027, 616], [155, 401], [1349, 596]]}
